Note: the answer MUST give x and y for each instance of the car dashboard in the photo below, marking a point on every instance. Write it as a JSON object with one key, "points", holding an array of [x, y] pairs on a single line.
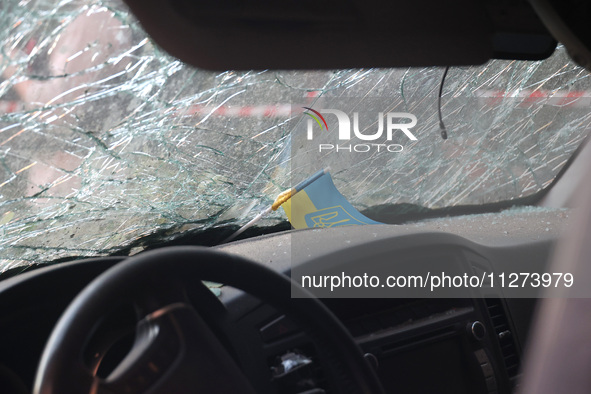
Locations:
{"points": [[471, 344]]}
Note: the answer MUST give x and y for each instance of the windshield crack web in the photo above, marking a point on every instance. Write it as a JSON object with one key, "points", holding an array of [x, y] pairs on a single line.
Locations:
{"points": [[108, 144]]}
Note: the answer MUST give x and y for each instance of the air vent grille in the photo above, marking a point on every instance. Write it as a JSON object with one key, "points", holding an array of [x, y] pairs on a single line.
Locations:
{"points": [[504, 335]]}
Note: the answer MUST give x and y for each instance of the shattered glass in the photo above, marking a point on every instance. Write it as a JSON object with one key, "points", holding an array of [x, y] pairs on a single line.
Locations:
{"points": [[106, 140]]}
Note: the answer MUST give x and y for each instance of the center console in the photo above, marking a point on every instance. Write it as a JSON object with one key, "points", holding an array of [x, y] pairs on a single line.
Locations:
{"points": [[416, 345]]}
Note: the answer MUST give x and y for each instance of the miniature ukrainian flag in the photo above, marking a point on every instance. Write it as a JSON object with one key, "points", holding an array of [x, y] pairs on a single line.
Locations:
{"points": [[316, 202]]}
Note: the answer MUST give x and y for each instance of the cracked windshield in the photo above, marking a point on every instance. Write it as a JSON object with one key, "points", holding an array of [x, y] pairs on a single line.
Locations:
{"points": [[108, 144]]}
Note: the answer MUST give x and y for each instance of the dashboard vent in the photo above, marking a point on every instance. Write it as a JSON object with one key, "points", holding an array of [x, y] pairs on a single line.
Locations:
{"points": [[498, 317]]}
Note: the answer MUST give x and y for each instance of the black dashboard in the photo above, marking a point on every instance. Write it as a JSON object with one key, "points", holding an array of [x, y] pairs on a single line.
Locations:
{"points": [[417, 345]]}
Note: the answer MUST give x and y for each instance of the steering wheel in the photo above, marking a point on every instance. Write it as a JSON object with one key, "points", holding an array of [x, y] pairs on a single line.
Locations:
{"points": [[175, 351]]}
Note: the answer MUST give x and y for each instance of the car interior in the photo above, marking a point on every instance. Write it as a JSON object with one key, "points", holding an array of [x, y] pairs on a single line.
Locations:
{"points": [[194, 314]]}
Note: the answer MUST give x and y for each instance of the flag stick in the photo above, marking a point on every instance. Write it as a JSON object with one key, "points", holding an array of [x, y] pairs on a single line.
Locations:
{"points": [[281, 198]]}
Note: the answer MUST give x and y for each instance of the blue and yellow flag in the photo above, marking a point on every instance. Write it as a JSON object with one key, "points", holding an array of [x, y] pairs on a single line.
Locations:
{"points": [[316, 202]]}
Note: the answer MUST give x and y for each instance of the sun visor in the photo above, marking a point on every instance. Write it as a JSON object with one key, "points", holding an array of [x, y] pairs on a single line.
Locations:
{"points": [[328, 34]]}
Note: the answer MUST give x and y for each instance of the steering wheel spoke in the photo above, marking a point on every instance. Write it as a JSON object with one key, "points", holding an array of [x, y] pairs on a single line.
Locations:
{"points": [[175, 351]]}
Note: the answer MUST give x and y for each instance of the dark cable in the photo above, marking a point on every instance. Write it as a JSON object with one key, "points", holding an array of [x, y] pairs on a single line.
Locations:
{"points": [[441, 125]]}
